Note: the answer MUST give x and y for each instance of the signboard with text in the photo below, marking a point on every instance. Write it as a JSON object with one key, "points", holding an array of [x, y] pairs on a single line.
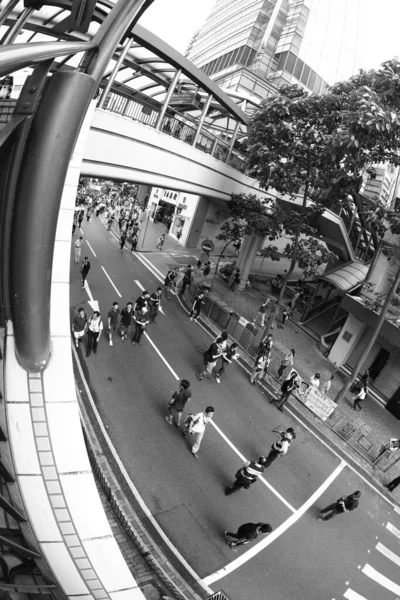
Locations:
{"points": [[317, 402]]}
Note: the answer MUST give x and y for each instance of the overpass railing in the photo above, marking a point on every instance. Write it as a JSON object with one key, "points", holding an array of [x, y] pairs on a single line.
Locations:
{"points": [[139, 110]]}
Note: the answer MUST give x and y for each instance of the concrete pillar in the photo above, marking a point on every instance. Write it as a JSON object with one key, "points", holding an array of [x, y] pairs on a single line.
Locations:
{"points": [[251, 250], [243, 251], [143, 191]]}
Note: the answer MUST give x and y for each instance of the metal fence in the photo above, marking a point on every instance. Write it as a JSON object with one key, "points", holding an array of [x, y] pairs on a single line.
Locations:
{"points": [[7, 106]]}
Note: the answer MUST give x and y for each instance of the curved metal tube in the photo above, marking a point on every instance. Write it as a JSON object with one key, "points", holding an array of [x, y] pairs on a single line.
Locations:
{"points": [[18, 56]]}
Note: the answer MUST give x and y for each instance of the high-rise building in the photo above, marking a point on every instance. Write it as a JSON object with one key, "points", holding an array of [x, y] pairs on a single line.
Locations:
{"points": [[254, 46]]}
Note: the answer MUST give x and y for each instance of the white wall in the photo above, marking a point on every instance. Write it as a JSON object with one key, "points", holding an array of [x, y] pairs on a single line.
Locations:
{"points": [[342, 348]]}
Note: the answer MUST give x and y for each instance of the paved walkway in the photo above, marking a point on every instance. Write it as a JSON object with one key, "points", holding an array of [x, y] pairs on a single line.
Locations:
{"points": [[309, 359]]}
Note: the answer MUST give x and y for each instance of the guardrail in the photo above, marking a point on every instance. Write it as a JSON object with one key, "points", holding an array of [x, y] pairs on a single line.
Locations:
{"points": [[352, 430]]}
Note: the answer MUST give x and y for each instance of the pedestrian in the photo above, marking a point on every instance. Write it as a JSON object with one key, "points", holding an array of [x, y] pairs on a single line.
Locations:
{"points": [[236, 245], [154, 304], [126, 321], [262, 312], [265, 346], [258, 369], [85, 268], [78, 249], [287, 312], [342, 505], [122, 241], [80, 218], [392, 485], [280, 447], [112, 321], [170, 280], [287, 389], [74, 223], [160, 241], [235, 279], [247, 475], [364, 379], [230, 355], [177, 404], [142, 301], [141, 320], [88, 213], [79, 326], [359, 397], [246, 533], [286, 362], [109, 223], [179, 234], [211, 356], [196, 307], [133, 240], [315, 380], [198, 266], [207, 268], [198, 426], [186, 279], [293, 301], [327, 385], [95, 327]]}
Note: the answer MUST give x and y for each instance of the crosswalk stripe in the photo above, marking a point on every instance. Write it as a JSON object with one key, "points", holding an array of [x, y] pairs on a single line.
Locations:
{"points": [[352, 595], [393, 530], [388, 553], [381, 579]]}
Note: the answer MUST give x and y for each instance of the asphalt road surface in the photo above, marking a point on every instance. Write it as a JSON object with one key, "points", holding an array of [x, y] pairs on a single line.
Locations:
{"points": [[354, 556]]}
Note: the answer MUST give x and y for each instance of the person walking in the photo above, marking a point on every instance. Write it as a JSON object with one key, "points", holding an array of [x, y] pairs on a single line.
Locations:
{"points": [[211, 356], [186, 279], [230, 355], [112, 321], [160, 241], [95, 327], [280, 447], [342, 505], [392, 485], [126, 320], [258, 370], [359, 397], [178, 234], [265, 346], [133, 240], [154, 304], [198, 426], [207, 268], [246, 533], [327, 385], [235, 279], [262, 312], [74, 223], [79, 326], [177, 404], [286, 362], [122, 241], [80, 218], [88, 213], [169, 280], [85, 268], [142, 301], [287, 312], [78, 249], [247, 475], [196, 307], [363, 380], [315, 380], [287, 389], [141, 320]]}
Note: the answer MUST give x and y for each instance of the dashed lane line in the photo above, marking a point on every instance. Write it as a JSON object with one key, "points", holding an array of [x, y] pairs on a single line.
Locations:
{"points": [[352, 595], [111, 281], [388, 553], [246, 556], [94, 253]]}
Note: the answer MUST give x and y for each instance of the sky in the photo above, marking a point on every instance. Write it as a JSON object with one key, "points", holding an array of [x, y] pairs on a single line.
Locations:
{"points": [[175, 21]]}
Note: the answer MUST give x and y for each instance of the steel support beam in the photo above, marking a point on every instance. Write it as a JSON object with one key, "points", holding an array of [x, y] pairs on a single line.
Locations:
{"points": [[167, 99], [233, 140], [202, 119], [114, 73]]}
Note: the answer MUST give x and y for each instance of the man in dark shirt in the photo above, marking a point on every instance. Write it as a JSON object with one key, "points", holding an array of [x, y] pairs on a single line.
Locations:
{"points": [[126, 320], [178, 403], [169, 280], [342, 505], [246, 533], [211, 356], [112, 320], [196, 308], [142, 301], [154, 304], [186, 279], [287, 389], [79, 326], [141, 320], [85, 268]]}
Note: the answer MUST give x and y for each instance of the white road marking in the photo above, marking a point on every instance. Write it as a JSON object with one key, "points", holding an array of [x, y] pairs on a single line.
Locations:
{"points": [[131, 485], [238, 562], [381, 579], [243, 458], [94, 304], [81, 230], [397, 509], [87, 288], [388, 553], [393, 530], [94, 254], [142, 288], [111, 281], [162, 358], [352, 595], [153, 267]]}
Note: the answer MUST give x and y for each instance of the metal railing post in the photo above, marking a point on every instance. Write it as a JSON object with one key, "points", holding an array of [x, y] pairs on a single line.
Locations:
{"points": [[114, 73], [233, 140], [202, 118], [167, 98]]}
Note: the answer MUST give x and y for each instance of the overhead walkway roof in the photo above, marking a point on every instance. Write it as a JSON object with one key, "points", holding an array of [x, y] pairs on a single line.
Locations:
{"points": [[348, 277]]}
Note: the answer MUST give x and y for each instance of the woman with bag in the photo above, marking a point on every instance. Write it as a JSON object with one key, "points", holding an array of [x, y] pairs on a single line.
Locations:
{"points": [[177, 404], [286, 362], [197, 425]]}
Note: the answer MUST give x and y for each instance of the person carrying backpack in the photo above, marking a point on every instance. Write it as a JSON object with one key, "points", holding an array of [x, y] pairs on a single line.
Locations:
{"points": [[342, 505]]}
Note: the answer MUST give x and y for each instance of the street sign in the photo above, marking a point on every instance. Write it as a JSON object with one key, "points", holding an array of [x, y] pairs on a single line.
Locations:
{"points": [[207, 246]]}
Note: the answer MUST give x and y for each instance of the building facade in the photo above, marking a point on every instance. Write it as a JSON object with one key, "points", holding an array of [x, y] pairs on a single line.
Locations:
{"points": [[255, 46]]}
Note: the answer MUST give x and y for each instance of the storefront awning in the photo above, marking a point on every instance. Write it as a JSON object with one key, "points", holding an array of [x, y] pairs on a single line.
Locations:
{"points": [[348, 277]]}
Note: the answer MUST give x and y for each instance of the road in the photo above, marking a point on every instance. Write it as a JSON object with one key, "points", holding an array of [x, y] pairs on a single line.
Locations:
{"points": [[303, 558]]}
